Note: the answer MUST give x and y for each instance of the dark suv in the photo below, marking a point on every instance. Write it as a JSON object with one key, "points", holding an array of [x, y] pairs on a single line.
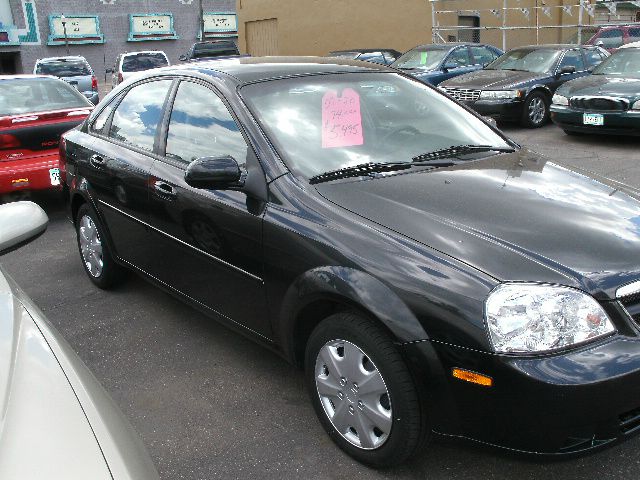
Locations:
{"points": [[210, 49]]}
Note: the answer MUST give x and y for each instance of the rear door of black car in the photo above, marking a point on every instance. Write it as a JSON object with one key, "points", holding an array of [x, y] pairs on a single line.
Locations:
{"points": [[124, 138], [208, 243]]}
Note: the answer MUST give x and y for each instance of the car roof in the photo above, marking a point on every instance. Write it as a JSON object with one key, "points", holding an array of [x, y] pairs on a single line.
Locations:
{"points": [[556, 46], [449, 45], [252, 69], [143, 52], [364, 50], [66, 58]]}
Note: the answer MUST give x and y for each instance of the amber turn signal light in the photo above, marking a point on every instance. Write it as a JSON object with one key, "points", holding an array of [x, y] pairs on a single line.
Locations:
{"points": [[472, 377]]}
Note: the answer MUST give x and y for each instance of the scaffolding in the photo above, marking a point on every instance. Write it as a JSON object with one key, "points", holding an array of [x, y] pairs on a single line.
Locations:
{"points": [[514, 10]]}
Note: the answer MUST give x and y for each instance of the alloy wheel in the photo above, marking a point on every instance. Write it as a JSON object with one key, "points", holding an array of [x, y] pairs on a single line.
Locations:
{"points": [[353, 394], [537, 110], [90, 246]]}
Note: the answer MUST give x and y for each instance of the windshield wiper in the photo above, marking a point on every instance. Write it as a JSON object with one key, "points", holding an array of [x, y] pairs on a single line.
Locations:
{"points": [[368, 169], [455, 151]]}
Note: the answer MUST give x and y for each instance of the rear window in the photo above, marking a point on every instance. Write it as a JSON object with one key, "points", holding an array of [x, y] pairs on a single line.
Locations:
{"points": [[76, 68], [30, 95], [205, 50], [143, 61]]}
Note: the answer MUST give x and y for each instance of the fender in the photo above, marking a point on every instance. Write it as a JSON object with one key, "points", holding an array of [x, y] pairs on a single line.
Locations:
{"points": [[541, 87], [349, 286]]}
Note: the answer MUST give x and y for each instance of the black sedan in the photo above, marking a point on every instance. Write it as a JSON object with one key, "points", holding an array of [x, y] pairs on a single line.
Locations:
{"points": [[519, 85], [606, 102], [427, 273]]}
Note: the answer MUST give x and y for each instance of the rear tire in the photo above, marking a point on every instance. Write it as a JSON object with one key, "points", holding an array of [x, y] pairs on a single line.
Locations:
{"points": [[95, 254], [363, 392]]}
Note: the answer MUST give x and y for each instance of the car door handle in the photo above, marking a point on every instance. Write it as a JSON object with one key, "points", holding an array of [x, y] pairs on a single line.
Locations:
{"points": [[97, 161], [163, 189]]}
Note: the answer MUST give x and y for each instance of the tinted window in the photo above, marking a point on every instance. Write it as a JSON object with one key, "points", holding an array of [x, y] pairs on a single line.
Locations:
{"points": [[143, 61], [459, 56], [27, 95], [482, 55], [634, 35], [73, 68], [610, 38], [572, 58], [136, 119], [204, 50], [201, 126]]}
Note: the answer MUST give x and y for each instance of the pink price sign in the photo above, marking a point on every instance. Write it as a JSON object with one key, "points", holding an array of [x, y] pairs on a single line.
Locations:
{"points": [[341, 119]]}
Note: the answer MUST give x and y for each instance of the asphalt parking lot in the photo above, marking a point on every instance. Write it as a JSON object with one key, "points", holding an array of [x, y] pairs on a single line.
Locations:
{"points": [[208, 403]]}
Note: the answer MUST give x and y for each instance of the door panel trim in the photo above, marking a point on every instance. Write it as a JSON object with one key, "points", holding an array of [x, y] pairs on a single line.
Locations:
{"points": [[206, 254]]}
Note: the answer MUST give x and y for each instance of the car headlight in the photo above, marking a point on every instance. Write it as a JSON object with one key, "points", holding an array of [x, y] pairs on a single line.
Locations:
{"points": [[500, 94], [636, 106], [560, 100], [534, 318]]}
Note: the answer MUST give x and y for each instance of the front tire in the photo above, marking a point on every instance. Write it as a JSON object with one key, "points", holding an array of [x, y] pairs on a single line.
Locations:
{"points": [[536, 110], [95, 254], [363, 392]]}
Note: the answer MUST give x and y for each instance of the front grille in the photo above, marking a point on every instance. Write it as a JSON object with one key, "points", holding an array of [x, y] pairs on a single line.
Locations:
{"points": [[630, 421], [600, 104], [463, 94]]}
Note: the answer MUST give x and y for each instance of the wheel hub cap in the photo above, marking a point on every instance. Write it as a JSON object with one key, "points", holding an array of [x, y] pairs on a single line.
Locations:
{"points": [[90, 246], [537, 110], [353, 394]]}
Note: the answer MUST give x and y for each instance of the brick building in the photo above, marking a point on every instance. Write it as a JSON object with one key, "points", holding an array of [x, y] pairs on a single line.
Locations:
{"points": [[101, 29]]}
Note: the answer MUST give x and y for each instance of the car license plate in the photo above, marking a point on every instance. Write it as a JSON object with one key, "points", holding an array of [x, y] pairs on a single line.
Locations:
{"points": [[54, 175], [593, 119]]}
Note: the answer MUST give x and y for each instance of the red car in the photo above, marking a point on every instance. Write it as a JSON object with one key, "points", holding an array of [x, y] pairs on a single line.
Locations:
{"points": [[612, 37], [34, 111]]}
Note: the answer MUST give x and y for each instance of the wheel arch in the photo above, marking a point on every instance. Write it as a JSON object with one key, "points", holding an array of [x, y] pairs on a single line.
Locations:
{"points": [[323, 291], [540, 88]]}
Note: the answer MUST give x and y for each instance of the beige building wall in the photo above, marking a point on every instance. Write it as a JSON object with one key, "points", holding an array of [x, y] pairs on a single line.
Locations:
{"points": [[316, 27]]}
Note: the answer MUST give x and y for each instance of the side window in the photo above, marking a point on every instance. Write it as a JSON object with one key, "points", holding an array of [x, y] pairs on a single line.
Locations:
{"points": [[573, 58], [101, 120], [611, 38], [460, 57], [634, 35], [201, 126], [482, 55], [593, 57], [136, 119]]}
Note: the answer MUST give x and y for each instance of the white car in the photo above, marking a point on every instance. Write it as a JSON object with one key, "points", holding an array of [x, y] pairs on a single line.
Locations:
{"points": [[56, 421], [129, 64]]}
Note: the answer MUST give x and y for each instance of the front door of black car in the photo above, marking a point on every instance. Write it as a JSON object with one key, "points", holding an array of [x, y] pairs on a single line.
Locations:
{"points": [[207, 243], [118, 169]]}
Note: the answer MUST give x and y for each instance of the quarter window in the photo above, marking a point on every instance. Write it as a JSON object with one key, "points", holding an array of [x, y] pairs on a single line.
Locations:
{"points": [[634, 34], [101, 120], [201, 126], [136, 119]]}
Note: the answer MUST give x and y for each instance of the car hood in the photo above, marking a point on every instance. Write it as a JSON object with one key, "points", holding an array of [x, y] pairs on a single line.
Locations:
{"points": [[603, 85], [492, 79], [44, 432], [517, 217]]}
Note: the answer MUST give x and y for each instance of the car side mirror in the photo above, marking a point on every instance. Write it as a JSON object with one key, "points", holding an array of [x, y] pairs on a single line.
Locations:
{"points": [[20, 222], [216, 173], [567, 69], [182, 58], [449, 66]]}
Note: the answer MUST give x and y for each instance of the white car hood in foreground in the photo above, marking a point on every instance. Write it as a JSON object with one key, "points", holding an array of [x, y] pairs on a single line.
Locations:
{"points": [[56, 420], [44, 432]]}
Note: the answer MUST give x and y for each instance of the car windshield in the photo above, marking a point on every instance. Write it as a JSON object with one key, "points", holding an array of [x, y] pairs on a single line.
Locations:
{"points": [[143, 61], [426, 58], [324, 123], [535, 60], [31, 95], [623, 63], [64, 68]]}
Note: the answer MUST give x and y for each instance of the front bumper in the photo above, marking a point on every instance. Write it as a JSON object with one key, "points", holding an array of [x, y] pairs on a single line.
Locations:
{"points": [[561, 403], [615, 123], [36, 173], [505, 110]]}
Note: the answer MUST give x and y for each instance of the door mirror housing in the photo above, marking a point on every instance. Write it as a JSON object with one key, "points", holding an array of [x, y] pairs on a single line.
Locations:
{"points": [[216, 173], [449, 66], [567, 69], [21, 223], [183, 57]]}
